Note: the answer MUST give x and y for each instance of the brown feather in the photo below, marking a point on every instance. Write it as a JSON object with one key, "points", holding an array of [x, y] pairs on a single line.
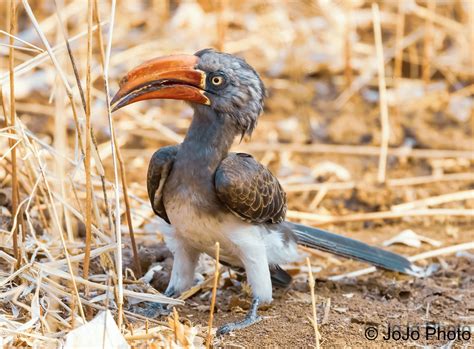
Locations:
{"points": [[250, 190]]}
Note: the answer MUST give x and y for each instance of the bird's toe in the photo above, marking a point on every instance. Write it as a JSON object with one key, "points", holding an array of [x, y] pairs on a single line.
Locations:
{"points": [[225, 329], [151, 310], [233, 326]]}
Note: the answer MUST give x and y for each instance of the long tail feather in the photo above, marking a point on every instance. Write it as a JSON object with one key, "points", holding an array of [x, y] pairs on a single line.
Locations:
{"points": [[350, 248]]}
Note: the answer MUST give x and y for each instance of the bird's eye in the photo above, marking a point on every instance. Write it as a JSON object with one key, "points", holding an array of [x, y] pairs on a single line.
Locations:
{"points": [[217, 80]]}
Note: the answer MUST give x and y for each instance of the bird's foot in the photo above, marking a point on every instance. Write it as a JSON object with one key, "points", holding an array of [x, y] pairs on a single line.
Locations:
{"points": [[151, 310], [250, 319]]}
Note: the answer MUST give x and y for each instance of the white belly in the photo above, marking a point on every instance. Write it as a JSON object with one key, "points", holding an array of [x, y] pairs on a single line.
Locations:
{"points": [[201, 231]]}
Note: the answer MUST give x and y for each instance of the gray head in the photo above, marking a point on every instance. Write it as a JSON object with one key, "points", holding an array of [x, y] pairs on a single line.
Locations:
{"points": [[233, 87], [208, 79]]}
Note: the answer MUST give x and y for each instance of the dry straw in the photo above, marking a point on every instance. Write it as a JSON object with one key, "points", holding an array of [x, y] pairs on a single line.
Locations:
{"points": [[313, 303], [213, 297], [66, 162]]}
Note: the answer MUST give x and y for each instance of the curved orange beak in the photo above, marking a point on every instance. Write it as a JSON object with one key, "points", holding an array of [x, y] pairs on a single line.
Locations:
{"points": [[170, 77]]}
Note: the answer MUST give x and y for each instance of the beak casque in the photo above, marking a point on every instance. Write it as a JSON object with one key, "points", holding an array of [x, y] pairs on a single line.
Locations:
{"points": [[169, 77]]}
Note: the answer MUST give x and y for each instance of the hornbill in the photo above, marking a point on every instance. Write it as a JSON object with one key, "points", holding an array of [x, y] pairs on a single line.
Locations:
{"points": [[210, 195]]}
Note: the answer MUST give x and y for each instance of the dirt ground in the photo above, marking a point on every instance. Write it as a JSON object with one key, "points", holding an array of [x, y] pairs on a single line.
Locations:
{"points": [[313, 57], [348, 308]]}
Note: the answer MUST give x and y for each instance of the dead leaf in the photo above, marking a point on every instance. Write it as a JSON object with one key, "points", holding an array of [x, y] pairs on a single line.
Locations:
{"points": [[410, 238]]}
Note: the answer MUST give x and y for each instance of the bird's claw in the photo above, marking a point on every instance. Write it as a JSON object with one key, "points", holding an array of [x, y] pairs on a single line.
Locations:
{"points": [[152, 310], [250, 319], [233, 326]]}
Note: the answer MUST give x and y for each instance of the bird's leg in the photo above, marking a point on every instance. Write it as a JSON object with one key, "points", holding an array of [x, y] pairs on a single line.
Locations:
{"points": [[254, 258], [250, 319], [182, 278]]}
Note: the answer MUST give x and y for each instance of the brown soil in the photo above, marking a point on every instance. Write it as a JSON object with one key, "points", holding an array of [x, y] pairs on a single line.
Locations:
{"points": [[348, 308], [305, 82], [381, 299]]}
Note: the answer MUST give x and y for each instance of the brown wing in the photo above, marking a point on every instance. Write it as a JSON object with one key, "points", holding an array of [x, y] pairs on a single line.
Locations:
{"points": [[160, 166], [250, 190]]}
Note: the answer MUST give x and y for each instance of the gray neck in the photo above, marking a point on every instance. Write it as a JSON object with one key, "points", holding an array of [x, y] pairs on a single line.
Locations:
{"points": [[208, 140]]}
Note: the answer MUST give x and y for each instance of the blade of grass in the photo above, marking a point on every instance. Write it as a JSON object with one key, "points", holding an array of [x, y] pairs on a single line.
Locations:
{"points": [[123, 177], [15, 189], [87, 165], [313, 303], [96, 153], [60, 143], [33, 47], [323, 219], [213, 299], [41, 166], [118, 232], [381, 175], [428, 42]]}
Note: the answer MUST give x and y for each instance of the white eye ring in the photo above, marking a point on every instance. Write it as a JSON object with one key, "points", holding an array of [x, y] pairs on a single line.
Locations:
{"points": [[217, 80]]}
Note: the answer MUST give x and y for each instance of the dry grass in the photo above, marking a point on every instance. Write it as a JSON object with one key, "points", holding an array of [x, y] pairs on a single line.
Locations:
{"points": [[213, 298], [72, 172]]}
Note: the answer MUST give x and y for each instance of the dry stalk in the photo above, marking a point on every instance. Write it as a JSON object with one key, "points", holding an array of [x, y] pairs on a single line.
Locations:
{"points": [[313, 303], [99, 33], [94, 141], [398, 63], [395, 182], [34, 62], [31, 177], [435, 200], [83, 100], [320, 220], [73, 311], [87, 165], [56, 64], [414, 61], [147, 297], [128, 215], [428, 42], [420, 180], [451, 25], [33, 47], [221, 23], [367, 76], [14, 168], [471, 22], [20, 48], [60, 143], [400, 31], [382, 96], [53, 206], [213, 299], [118, 232], [359, 150], [196, 288], [442, 251], [49, 194], [347, 44], [123, 177]]}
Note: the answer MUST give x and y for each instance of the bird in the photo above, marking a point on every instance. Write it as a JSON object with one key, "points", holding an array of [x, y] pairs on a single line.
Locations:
{"points": [[208, 194]]}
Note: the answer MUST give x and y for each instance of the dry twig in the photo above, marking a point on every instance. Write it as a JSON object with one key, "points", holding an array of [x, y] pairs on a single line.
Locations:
{"points": [[384, 120], [313, 303], [213, 299]]}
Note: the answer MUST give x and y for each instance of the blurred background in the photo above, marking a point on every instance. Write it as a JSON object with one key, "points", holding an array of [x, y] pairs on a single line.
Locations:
{"points": [[368, 122]]}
